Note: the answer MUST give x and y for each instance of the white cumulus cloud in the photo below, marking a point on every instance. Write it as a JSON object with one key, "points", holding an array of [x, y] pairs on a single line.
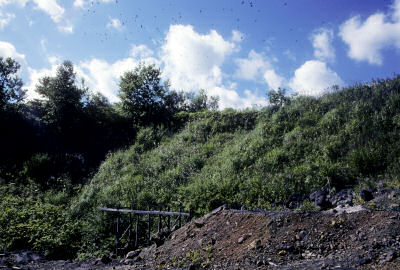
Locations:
{"points": [[322, 43], [273, 80], [34, 76], [366, 39], [252, 67], [141, 51], [52, 8], [237, 36], [313, 78], [102, 76], [8, 50], [193, 61]]}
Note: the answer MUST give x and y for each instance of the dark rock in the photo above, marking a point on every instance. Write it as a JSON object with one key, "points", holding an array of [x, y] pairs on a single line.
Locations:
{"points": [[255, 244], [366, 195], [243, 238], [364, 261], [160, 236], [295, 200], [277, 204], [390, 256], [132, 254], [25, 257], [199, 223], [345, 196], [300, 236], [193, 267], [285, 246], [106, 259], [320, 199]]}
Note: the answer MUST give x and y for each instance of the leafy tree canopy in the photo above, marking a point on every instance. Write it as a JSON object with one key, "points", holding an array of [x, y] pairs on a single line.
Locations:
{"points": [[63, 99], [10, 84], [142, 94], [277, 98]]}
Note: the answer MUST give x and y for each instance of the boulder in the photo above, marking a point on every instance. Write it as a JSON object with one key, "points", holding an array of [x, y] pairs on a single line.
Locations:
{"points": [[106, 259], [132, 254], [243, 238], [345, 196], [255, 244], [295, 200], [366, 195], [320, 199]]}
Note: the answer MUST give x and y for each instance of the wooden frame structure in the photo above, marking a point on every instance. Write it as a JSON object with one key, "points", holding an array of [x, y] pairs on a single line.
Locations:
{"points": [[149, 213]]}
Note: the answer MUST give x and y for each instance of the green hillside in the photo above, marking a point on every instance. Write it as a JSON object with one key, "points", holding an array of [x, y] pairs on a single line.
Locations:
{"points": [[176, 150], [343, 139]]}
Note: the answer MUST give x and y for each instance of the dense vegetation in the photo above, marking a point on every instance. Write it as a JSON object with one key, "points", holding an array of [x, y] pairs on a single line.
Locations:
{"points": [[174, 149]]}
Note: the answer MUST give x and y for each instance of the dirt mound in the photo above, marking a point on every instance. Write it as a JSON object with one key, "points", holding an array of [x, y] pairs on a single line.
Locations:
{"points": [[345, 237], [229, 239], [354, 238]]}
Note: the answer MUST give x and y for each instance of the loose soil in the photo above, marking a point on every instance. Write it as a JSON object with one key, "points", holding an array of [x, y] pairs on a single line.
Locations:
{"points": [[341, 238]]}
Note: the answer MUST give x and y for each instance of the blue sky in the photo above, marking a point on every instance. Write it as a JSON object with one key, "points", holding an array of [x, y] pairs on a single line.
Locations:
{"points": [[235, 49]]}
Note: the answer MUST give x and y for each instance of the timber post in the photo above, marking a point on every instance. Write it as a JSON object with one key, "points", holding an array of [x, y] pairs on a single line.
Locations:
{"points": [[148, 226], [169, 220]]}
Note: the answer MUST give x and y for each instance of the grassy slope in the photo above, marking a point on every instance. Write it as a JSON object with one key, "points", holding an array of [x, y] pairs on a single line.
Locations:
{"points": [[258, 157], [250, 157]]}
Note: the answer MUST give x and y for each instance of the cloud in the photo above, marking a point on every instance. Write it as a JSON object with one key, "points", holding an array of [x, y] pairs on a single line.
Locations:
{"points": [[34, 76], [288, 53], [229, 98], [115, 23], [8, 50], [52, 8], [68, 28], [19, 2], [102, 76], [322, 43], [84, 3], [79, 3], [5, 19], [193, 61], [99, 75], [237, 36], [273, 80], [141, 51], [366, 39], [252, 67], [313, 78]]}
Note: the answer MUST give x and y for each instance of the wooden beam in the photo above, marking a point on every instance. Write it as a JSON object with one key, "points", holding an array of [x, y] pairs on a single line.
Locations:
{"points": [[143, 212]]}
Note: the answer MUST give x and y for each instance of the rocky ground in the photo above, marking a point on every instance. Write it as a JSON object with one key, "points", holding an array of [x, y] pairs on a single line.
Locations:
{"points": [[352, 231]]}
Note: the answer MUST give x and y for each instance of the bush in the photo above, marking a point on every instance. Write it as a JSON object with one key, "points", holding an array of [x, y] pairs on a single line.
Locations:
{"points": [[30, 223]]}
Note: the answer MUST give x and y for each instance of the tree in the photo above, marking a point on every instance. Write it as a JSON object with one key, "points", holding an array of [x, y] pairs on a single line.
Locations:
{"points": [[11, 91], [142, 95], [277, 98], [201, 102], [63, 99]]}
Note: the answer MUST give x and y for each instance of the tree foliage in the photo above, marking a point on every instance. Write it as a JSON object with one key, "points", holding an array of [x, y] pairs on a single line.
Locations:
{"points": [[143, 95], [11, 91], [278, 98], [63, 99]]}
